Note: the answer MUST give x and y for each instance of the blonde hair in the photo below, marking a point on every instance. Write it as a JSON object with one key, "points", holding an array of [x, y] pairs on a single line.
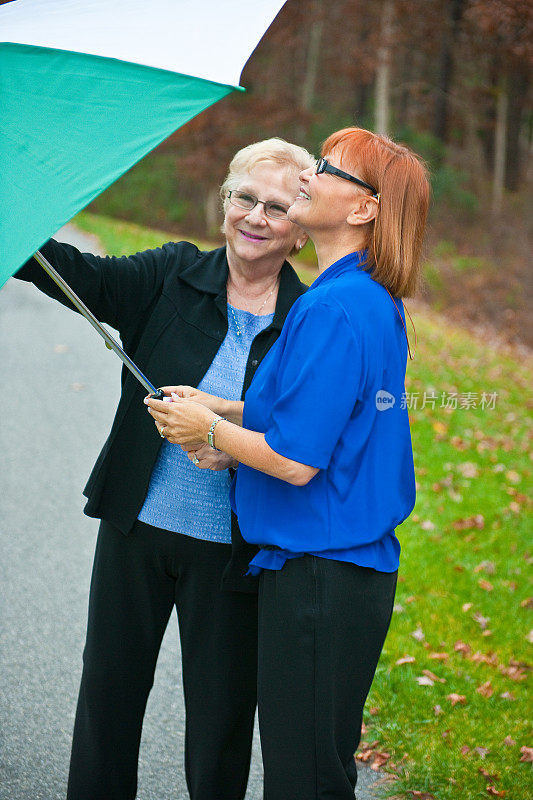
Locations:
{"points": [[272, 151], [395, 237]]}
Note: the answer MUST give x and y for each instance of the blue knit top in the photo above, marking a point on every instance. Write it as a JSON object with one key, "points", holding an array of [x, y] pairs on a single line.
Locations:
{"points": [[180, 496]]}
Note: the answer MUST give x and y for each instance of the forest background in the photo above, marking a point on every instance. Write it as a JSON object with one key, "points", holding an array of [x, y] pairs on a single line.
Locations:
{"points": [[451, 78]]}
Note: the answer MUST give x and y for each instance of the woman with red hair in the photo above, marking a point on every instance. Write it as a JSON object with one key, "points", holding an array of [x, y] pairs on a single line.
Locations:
{"points": [[325, 461]]}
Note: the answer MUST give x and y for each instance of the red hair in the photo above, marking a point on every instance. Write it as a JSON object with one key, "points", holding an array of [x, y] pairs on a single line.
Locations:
{"points": [[394, 240]]}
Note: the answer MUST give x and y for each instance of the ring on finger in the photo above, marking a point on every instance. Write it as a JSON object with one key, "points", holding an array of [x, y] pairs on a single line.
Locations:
{"points": [[195, 459], [162, 431]]}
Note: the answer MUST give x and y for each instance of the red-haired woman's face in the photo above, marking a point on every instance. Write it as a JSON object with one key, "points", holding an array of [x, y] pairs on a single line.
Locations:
{"points": [[324, 201]]}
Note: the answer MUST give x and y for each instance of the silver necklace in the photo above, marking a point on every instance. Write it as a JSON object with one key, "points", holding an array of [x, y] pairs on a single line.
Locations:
{"points": [[241, 328]]}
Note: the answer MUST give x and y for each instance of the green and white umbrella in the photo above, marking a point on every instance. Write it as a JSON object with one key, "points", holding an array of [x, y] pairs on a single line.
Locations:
{"points": [[88, 87]]}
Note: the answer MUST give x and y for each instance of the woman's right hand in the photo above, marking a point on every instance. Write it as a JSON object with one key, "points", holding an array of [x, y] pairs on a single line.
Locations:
{"points": [[210, 401], [229, 409]]}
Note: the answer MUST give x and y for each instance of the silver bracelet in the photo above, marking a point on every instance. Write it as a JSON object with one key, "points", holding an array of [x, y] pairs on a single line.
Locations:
{"points": [[211, 432]]}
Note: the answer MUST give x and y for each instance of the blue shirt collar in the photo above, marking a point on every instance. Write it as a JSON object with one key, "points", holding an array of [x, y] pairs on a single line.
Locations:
{"points": [[345, 264]]}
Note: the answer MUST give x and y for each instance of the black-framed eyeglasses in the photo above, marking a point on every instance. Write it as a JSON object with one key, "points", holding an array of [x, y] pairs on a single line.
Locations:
{"points": [[247, 200], [324, 166]]}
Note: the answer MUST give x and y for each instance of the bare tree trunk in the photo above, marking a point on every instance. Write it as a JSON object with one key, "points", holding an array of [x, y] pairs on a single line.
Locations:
{"points": [[500, 140], [212, 210], [517, 97], [454, 14], [313, 60], [489, 117], [384, 57], [311, 65]]}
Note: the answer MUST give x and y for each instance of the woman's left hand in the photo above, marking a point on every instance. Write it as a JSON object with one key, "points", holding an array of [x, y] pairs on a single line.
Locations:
{"points": [[205, 457], [181, 421]]}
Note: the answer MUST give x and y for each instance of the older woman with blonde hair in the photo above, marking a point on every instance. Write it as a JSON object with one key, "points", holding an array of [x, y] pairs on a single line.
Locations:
{"points": [[325, 461], [206, 319]]}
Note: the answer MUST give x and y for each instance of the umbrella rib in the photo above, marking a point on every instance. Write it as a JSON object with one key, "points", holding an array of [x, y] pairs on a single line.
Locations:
{"points": [[110, 342]]}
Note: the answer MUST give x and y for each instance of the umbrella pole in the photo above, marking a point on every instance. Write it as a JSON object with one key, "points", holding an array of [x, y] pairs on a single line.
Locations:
{"points": [[110, 342]]}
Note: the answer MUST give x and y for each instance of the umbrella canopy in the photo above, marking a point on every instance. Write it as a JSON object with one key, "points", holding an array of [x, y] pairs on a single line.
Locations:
{"points": [[89, 87]]}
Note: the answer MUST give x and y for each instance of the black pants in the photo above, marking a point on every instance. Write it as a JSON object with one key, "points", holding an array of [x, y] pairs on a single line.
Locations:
{"points": [[136, 582], [322, 625]]}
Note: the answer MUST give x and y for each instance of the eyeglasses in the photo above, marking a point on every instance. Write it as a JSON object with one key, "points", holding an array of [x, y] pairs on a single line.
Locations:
{"points": [[248, 201], [325, 166]]}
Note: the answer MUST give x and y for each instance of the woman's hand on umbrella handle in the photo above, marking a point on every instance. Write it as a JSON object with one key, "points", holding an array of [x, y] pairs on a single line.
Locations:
{"points": [[190, 393], [182, 421]]}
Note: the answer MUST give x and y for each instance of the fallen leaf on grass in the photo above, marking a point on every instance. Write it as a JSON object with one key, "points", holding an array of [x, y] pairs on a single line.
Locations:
{"points": [[405, 660], [529, 636], [527, 753], [513, 476], [379, 760], [466, 607], [363, 729], [485, 690], [465, 523], [485, 658], [495, 792], [418, 634], [423, 680], [427, 525], [456, 698], [421, 795], [438, 656], [515, 671], [507, 696], [432, 676], [462, 647], [468, 469], [485, 585], [465, 750], [367, 751], [481, 620], [527, 603], [459, 443], [486, 566], [374, 711], [509, 741], [491, 776], [482, 751], [438, 710]]}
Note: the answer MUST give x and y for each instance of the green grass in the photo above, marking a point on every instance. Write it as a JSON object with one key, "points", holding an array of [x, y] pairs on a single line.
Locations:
{"points": [[465, 573]]}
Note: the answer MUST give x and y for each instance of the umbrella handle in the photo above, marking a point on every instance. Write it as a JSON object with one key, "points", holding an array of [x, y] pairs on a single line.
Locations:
{"points": [[110, 342]]}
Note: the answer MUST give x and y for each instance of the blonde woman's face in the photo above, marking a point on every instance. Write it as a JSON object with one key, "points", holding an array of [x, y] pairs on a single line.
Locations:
{"points": [[250, 234]]}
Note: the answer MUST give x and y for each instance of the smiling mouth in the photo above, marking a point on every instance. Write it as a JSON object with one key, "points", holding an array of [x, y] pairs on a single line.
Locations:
{"points": [[252, 237], [303, 195]]}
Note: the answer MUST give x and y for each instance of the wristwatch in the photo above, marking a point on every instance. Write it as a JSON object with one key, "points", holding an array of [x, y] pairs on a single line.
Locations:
{"points": [[211, 432]]}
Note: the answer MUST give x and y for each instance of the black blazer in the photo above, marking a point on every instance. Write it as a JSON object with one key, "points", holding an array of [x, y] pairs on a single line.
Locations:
{"points": [[170, 308]]}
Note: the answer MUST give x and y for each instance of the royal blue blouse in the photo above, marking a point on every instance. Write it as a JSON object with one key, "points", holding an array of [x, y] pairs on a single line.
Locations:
{"points": [[328, 394]]}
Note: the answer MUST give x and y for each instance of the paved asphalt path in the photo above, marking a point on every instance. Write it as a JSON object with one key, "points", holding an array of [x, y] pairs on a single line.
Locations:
{"points": [[61, 386]]}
